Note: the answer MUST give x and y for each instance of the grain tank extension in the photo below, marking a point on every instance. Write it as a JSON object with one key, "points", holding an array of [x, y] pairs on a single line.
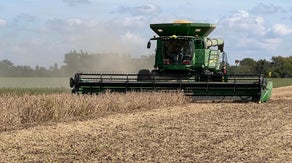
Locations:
{"points": [[187, 60]]}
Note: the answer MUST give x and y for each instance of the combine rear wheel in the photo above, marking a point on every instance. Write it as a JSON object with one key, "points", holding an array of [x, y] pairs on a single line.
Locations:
{"points": [[144, 75]]}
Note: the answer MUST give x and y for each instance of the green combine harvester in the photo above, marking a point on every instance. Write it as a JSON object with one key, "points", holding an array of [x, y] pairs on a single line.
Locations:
{"points": [[185, 60]]}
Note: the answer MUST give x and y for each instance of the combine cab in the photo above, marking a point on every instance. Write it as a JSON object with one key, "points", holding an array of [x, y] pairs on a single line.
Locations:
{"points": [[185, 60]]}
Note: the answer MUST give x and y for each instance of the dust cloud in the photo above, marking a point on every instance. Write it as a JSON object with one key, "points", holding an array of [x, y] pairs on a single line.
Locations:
{"points": [[117, 63]]}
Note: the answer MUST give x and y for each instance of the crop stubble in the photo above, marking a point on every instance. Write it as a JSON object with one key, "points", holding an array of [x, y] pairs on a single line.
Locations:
{"points": [[165, 132]]}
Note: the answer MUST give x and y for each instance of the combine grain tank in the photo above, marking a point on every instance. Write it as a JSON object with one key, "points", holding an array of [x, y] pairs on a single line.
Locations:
{"points": [[185, 60]]}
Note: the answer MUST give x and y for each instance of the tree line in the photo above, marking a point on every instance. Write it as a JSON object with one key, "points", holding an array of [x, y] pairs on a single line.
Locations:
{"points": [[80, 61], [278, 67]]}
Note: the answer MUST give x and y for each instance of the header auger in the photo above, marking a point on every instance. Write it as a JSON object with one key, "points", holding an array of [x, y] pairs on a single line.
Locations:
{"points": [[185, 60]]}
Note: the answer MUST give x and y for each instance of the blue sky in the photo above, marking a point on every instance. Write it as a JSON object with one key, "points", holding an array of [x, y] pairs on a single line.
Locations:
{"points": [[40, 32]]}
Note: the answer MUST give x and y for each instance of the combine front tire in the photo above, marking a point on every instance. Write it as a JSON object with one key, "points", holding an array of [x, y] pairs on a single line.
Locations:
{"points": [[72, 82]]}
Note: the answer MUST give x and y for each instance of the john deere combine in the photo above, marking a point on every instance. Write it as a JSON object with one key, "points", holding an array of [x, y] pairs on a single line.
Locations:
{"points": [[185, 60]]}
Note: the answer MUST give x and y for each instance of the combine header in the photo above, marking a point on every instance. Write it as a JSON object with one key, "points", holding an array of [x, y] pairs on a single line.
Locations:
{"points": [[186, 60]]}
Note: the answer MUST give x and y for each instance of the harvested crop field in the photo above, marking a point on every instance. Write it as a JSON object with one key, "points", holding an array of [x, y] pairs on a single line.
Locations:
{"points": [[188, 132]]}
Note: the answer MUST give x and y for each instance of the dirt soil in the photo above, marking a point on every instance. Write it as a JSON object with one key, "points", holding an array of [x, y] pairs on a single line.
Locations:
{"points": [[194, 132]]}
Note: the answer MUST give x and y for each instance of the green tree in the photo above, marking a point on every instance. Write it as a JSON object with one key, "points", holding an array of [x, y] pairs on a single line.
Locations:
{"points": [[247, 66], [6, 68], [248, 62], [282, 66], [262, 67]]}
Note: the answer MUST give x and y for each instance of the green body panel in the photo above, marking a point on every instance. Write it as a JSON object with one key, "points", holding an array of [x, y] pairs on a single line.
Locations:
{"points": [[206, 58], [212, 59], [266, 92]]}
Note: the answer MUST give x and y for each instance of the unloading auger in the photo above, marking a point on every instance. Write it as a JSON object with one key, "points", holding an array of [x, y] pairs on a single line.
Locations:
{"points": [[185, 60]]}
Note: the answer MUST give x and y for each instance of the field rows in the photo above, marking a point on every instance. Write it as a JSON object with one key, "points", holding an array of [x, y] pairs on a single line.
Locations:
{"points": [[143, 127]]}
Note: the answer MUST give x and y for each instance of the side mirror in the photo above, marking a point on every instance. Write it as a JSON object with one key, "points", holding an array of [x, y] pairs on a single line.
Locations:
{"points": [[148, 45]]}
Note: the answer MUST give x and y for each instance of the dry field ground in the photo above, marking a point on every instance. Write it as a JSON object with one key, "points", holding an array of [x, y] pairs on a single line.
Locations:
{"points": [[170, 131]]}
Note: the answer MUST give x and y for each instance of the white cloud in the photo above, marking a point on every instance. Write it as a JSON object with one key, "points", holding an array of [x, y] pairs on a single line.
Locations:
{"points": [[244, 22], [147, 9], [256, 43], [131, 22], [92, 35], [135, 43], [131, 37], [69, 25], [248, 35], [271, 44], [3, 22], [74, 21], [24, 18], [282, 29]]}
